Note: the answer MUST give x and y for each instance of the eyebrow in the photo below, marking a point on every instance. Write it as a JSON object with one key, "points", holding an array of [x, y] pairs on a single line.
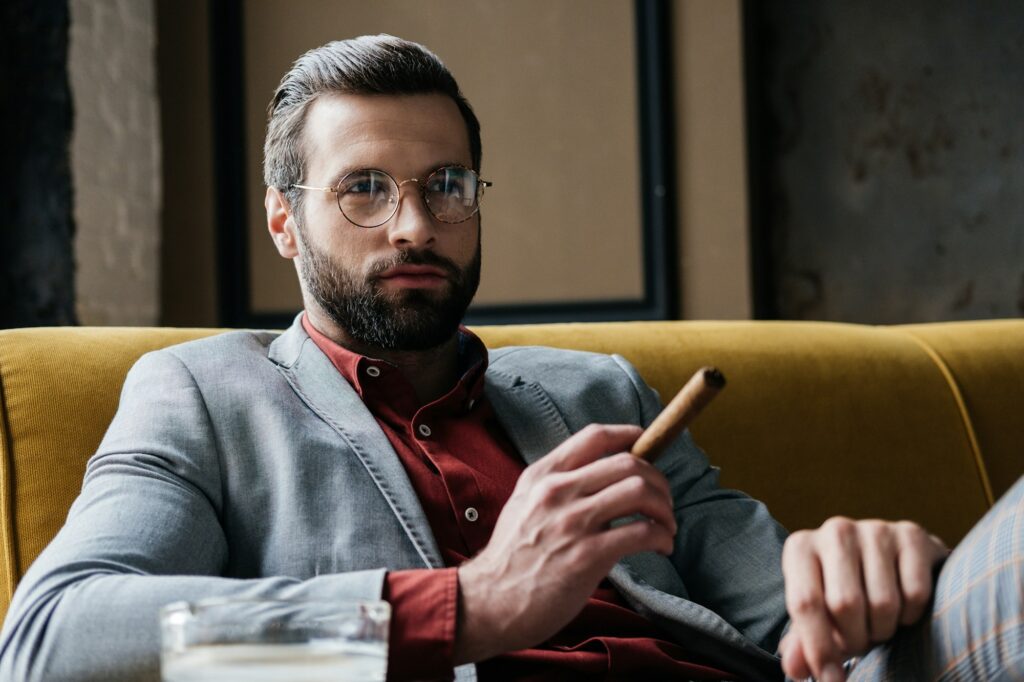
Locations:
{"points": [[340, 175]]}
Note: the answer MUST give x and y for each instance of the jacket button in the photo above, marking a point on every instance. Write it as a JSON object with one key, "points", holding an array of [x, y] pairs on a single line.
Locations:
{"points": [[424, 430], [472, 514]]}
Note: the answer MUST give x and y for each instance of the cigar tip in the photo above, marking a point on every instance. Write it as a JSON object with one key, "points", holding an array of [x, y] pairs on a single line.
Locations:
{"points": [[713, 377]]}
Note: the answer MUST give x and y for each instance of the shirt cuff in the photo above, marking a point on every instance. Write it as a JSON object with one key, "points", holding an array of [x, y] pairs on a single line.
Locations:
{"points": [[424, 604]]}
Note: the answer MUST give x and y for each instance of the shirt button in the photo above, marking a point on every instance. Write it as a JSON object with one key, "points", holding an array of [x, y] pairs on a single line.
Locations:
{"points": [[373, 371], [424, 430], [472, 514]]}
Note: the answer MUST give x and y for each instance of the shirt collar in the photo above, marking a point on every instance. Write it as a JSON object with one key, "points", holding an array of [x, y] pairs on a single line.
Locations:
{"points": [[374, 379]]}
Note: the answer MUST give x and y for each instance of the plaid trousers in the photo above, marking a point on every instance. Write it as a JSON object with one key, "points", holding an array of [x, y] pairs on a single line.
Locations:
{"points": [[976, 627]]}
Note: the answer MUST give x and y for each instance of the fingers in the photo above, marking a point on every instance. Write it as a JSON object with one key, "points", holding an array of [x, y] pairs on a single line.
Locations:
{"points": [[896, 561], [592, 489], [584, 489], [849, 585], [793, 662], [630, 538], [609, 487], [599, 475], [839, 548], [632, 495], [563, 487], [615, 487], [917, 555], [881, 584], [805, 601], [590, 444]]}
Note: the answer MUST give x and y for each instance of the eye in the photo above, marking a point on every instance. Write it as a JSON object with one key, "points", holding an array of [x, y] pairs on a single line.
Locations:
{"points": [[445, 187], [365, 185], [452, 182]]}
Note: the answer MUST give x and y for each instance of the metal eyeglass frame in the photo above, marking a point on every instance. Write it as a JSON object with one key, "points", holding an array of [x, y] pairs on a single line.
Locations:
{"points": [[481, 185]]}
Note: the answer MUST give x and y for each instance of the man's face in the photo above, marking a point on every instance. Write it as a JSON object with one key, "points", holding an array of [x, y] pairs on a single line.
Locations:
{"points": [[406, 284]]}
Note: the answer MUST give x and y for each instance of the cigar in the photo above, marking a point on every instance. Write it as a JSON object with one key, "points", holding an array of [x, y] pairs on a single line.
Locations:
{"points": [[678, 414]]}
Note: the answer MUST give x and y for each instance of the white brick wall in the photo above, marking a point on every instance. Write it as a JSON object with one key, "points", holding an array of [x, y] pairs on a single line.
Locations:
{"points": [[115, 161]]}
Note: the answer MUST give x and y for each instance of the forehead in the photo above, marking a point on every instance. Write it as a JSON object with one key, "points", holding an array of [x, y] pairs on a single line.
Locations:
{"points": [[402, 134]]}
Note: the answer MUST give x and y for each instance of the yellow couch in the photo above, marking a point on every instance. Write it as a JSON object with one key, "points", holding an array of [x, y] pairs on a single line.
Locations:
{"points": [[917, 421]]}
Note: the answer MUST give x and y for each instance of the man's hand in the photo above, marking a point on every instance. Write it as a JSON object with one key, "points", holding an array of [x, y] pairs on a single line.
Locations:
{"points": [[849, 584], [552, 544]]}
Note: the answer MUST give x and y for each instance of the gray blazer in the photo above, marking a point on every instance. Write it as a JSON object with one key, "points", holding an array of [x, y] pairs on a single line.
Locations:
{"points": [[244, 465]]}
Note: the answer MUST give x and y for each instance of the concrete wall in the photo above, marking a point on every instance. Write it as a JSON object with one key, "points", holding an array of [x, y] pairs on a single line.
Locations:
{"points": [[898, 158], [115, 159]]}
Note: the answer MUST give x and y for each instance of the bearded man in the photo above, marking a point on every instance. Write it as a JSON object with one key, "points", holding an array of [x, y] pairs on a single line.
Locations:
{"points": [[376, 449]]}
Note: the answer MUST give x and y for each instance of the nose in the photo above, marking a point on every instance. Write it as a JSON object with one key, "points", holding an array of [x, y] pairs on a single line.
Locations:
{"points": [[413, 228]]}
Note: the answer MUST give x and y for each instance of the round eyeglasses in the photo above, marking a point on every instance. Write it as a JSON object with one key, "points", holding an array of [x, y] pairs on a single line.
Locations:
{"points": [[369, 197]]}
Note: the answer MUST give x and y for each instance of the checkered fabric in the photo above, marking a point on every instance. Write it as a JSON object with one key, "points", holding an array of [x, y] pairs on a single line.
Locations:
{"points": [[976, 629]]}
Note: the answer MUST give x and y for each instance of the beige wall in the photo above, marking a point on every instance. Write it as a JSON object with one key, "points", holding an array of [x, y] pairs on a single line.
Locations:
{"points": [[528, 42], [714, 265], [115, 161], [558, 110]]}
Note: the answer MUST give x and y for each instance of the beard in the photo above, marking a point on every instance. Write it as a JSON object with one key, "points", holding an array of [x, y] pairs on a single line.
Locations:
{"points": [[411, 320]]}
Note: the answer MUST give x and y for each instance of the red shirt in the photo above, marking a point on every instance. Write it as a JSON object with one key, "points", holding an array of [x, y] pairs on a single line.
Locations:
{"points": [[463, 468]]}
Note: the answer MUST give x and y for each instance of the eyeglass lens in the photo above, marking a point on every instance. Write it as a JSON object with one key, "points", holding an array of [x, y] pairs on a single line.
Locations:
{"points": [[370, 197]]}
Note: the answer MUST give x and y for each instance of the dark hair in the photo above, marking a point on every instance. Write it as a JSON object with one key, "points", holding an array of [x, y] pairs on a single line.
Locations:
{"points": [[367, 65]]}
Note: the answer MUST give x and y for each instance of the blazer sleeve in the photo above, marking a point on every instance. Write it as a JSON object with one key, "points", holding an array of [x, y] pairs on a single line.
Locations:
{"points": [[144, 532], [729, 548]]}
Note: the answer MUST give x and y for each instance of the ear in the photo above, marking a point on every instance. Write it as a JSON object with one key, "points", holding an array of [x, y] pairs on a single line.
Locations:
{"points": [[280, 223]]}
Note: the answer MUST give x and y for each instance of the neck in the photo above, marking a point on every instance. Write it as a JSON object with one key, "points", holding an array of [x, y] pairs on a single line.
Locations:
{"points": [[431, 372]]}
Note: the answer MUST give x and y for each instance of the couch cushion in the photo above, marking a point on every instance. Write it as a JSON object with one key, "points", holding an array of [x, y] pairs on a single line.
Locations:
{"points": [[59, 389], [817, 419], [986, 361]]}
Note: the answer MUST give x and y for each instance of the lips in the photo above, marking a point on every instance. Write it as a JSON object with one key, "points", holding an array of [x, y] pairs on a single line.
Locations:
{"points": [[414, 276]]}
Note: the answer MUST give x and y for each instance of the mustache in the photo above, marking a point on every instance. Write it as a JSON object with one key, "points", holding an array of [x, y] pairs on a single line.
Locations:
{"points": [[416, 258]]}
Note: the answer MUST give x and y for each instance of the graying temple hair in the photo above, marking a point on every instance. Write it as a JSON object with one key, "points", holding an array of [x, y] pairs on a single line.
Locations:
{"points": [[368, 65]]}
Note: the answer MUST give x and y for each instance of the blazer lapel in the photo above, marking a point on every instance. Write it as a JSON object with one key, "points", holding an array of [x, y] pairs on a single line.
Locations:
{"points": [[322, 388], [531, 420]]}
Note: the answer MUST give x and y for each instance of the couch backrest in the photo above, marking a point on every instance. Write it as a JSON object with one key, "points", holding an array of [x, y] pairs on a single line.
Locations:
{"points": [[59, 389], [916, 421], [984, 363], [818, 419]]}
